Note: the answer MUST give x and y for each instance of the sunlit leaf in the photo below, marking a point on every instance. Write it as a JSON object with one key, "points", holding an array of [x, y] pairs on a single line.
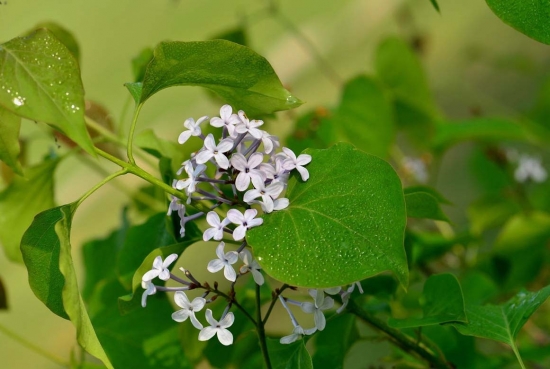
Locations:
{"points": [[63, 35], [291, 356], [9, 140], [240, 76], [443, 303], [422, 204], [528, 17], [344, 224], [21, 201], [46, 251], [40, 80]]}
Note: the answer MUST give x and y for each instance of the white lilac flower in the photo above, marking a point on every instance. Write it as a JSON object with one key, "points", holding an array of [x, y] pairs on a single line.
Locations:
{"points": [[275, 171], [249, 126], [247, 169], [270, 142], [160, 268], [297, 333], [190, 183], [224, 262], [293, 162], [244, 221], [211, 150], [175, 204], [332, 290], [193, 129], [267, 193], [219, 328], [530, 168], [183, 220], [416, 167], [227, 120], [321, 303], [346, 295], [216, 231], [188, 309], [252, 266], [150, 289], [278, 204]]}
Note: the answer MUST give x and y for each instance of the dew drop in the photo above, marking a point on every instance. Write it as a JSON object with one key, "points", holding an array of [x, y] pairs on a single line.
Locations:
{"points": [[290, 100], [18, 101]]}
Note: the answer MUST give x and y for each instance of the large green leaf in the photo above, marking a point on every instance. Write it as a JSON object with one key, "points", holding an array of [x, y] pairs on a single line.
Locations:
{"points": [[443, 303], [240, 76], [9, 140], [330, 352], [63, 35], [422, 204], [364, 117], [528, 17], [40, 80], [503, 322], [344, 224], [46, 251], [292, 356], [21, 201]]}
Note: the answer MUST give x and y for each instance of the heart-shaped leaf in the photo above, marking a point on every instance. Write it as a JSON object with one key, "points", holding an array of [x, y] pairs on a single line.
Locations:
{"points": [[293, 356], [422, 204], [344, 224]]}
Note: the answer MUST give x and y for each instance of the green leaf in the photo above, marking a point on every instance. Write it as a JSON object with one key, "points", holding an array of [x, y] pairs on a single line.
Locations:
{"points": [[491, 211], [292, 356], [236, 35], [428, 246], [9, 140], [135, 90], [21, 201], [243, 78], [343, 225], [478, 129], [63, 35], [523, 232], [435, 5], [140, 62], [46, 251], [503, 322], [364, 117], [148, 141], [432, 191], [330, 352], [424, 205], [40, 80], [3, 296], [443, 303], [527, 17]]}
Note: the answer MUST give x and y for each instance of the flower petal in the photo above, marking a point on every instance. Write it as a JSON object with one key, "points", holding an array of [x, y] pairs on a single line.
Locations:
{"points": [[222, 160], [255, 160], [238, 161], [210, 143], [150, 275], [225, 145], [219, 251], [184, 136], [180, 315], [258, 277], [239, 233], [215, 265], [227, 320], [209, 318], [303, 172], [225, 337], [169, 260], [180, 298], [207, 333], [235, 216], [243, 181], [213, 218], [195, 321], [289, 339], [229, 273], [203, 156], [303, 159]]}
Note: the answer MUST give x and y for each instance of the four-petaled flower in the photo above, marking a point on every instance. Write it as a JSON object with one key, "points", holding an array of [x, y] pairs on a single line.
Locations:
{"points": [[150, 289], [247, 169], [267, 193], [190, 184], [224, 261], [227, 120], [216, 231], [160, 268], [224, 335], [297, 333], [193, 129], [251, 265], [188, 309], [211, 150], [293, 162], [244, 222], [249, 126], [321, 303]]}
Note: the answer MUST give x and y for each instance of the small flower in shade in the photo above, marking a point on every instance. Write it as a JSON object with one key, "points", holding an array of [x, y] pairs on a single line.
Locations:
{"points": [[278, 204], [267, 193], [150, 289], [244, 222], [297, 333], [293, 162], [321, 303], [417, 168], [216, 232], [251, 265], [193, 129], [249, 126], [530, 168], [183, 220], [188, 309], [160, 268], [269, 142], [276, 172], [247, 169], [332, 290], [224, 262], [175, 204], [346, 295], [190, 184], [211, 150], [227, 120], [219, 328]]}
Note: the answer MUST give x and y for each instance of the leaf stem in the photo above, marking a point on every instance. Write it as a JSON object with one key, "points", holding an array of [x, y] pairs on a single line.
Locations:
{"points": [[518, 356], [131, 134], [261, 329], [274, 300], [100, 184], [401, 340], [33, 347]]}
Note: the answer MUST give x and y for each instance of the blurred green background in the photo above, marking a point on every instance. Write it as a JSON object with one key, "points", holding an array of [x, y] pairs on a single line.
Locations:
{"points": [[475, 64]]}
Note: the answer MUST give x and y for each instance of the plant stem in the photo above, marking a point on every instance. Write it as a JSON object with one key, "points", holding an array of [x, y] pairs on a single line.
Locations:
{"points": [[131, 134], [273, 301], [100, 184], [401, 340], [516, 352], [33, 347], [261, 329]]}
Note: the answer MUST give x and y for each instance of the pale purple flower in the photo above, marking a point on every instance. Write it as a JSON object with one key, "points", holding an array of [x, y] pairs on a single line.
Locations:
{"points": [[224, 262], [247, 169], [188, 309], [278, 204], [293, 162], [244, 222], [346, 295], [216, 231], [150, 289], [297, 333], [267, 193], [160, 268], [320, 303], [252, 266], [183, 220], [190, 184], [175, 204], [211, 150], [275, 171], [249, 126], [193, 129], [219, 328], [227, 120], [270, 142]]}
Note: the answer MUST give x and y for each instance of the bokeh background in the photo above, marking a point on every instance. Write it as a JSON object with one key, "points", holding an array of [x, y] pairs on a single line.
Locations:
{"points": [[474, 63]]}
